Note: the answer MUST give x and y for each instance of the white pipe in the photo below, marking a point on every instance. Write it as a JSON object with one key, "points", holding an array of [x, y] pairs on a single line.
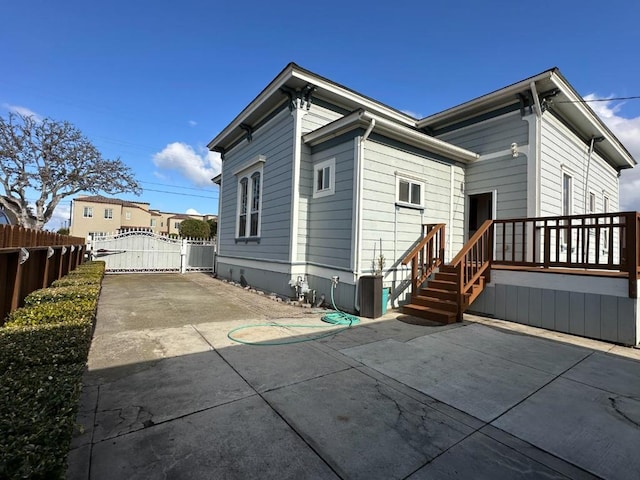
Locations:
{"points": [[534, 92], [450, 228], [359, 172], [586, 177]]}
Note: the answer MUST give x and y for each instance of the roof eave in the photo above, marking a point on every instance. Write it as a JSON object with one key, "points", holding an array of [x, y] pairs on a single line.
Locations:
{"points": [[389, 128], [487, 99], [578, 103]]}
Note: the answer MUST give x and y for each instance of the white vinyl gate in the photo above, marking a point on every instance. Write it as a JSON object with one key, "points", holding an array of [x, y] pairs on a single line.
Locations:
{"points": [[140, 252]]}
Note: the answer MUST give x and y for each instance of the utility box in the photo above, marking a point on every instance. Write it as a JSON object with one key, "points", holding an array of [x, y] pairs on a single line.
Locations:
{"points": [[370, 296]]}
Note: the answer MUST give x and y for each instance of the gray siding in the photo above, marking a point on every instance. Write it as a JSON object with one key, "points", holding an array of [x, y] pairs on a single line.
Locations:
{"points": [[503, 173], [490, 136], [275, 142], [562, 150], [603, 317], [399, 227], [326, 226], [317, 117], [506, 175]]}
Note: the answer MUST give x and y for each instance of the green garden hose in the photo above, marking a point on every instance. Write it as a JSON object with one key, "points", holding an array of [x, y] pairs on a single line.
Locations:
{"points": [[336, 317]]}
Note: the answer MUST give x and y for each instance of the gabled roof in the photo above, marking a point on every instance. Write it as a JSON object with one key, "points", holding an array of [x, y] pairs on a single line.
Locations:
{"points": [[553, 92], [296, 78]]}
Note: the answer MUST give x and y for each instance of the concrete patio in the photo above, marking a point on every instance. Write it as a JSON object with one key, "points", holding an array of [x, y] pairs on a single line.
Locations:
{"points": [[168, 395]]}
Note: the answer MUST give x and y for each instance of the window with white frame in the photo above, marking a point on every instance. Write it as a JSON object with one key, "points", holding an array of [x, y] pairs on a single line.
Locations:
{"points": [[592, 202], [87, 212], [324, 177], [249, 202], [127, 215], [153, 222], [108, 213], [409, 192]]}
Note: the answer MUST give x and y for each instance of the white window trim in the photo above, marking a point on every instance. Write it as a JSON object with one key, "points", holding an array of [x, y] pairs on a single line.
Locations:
{"points": [[247, 172], [571, 206], [87, 210], [411, 180], [110, 217], [127, 215], [331, 164]]}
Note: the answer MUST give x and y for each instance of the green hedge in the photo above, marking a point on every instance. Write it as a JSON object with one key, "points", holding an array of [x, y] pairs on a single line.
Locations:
{"points": [[43, 353]]}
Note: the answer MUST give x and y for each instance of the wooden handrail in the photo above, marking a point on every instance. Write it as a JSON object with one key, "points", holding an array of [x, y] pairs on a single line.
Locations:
{"points": [[433, 230], [472, 241], [472, 262], [426, 256]]}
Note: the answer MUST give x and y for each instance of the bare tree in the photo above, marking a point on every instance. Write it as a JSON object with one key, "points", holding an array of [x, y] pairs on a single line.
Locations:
{"points": [[49, 160]]}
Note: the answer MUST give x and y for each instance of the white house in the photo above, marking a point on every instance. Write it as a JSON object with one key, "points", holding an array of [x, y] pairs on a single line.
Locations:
{"points": [[318, 181]]}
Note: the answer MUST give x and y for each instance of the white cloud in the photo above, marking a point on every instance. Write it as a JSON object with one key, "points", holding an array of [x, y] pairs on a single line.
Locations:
{"points": [[60, 218], [412, 113], [198, 166], [628, 132], [24, 111], [192, 211], [193, 123]]}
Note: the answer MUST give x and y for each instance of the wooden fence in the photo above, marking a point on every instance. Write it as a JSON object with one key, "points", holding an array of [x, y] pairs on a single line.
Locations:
{"points": [[33, 259]]}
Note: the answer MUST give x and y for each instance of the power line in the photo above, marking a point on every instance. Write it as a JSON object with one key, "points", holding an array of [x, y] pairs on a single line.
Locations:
{"points": [[599, 100], [179, 193], [177, 186]]}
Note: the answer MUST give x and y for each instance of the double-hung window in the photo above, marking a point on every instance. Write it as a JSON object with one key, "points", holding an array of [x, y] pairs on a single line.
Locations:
{"points": [[249, 199], [324, 178], [409, 192], [87, 212], [108, 213]]}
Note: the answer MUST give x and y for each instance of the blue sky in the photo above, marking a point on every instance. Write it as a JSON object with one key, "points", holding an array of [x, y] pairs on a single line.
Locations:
{"points": [[154, 82]]}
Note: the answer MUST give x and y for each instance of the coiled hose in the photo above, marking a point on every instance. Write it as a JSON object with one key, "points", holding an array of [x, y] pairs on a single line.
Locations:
{"points": [[336, 317]]}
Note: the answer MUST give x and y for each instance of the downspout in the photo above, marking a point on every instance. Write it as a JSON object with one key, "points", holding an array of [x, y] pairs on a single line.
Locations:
{"points": [[586, 176], [450, 232], [360, 172]]}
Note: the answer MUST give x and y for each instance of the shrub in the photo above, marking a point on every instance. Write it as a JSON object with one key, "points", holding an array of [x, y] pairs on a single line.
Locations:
{"points": [[43, 352], [57, 294], [81, 309], [77, 280], [37, 415]]}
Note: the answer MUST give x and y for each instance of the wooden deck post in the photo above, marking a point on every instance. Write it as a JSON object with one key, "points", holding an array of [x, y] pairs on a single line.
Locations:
{"points": [[631, 247]]}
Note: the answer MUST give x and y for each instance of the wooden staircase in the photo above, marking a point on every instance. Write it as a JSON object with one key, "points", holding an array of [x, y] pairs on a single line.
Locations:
{"points": [[452, 287]]}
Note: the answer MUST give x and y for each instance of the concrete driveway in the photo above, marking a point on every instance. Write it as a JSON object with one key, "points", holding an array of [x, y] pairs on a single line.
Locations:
{"points": [[168, 395]]}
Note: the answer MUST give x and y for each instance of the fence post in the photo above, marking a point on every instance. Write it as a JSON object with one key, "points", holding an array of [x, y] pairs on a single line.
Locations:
{"points": [[183, 255]]}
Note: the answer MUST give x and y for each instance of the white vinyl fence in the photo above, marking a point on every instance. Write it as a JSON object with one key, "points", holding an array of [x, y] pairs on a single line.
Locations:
{"points": [[141, 252]]}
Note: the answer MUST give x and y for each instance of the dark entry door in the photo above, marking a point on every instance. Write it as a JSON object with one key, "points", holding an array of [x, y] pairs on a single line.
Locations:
{"points": [[480, 209]]}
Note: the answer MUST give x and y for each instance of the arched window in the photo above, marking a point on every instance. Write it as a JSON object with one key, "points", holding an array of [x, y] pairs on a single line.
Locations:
{"points": [[242, 211], [255, 205]]}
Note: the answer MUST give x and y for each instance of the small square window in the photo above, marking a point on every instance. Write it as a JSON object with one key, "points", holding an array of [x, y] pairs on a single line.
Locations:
{"points": [[410, 192], [324, 174]]}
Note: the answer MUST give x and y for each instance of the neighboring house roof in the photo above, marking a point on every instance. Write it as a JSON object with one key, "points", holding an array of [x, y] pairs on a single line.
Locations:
{"points": [[110, 201], [557, 95]]}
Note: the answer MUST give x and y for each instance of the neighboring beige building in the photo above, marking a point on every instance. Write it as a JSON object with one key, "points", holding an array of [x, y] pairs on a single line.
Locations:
{"points": [[98, 215]]}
